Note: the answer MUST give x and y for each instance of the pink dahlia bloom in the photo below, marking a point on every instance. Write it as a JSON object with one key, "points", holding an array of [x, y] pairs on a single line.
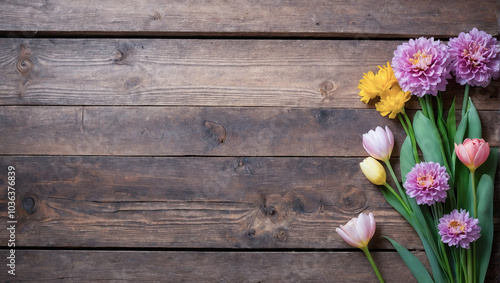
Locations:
{"points": [[475, 58], [457, 228], [427, 182], [422, 66]]}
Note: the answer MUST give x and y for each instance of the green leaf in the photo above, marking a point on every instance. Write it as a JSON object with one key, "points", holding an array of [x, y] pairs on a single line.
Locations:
{"points": [[427, 236], [395, 203], [406, 159], [474, 123], [462, 184], [461, 172], [485, 213], [414, 264], [490, 165], [451, 123], [428, 138]]}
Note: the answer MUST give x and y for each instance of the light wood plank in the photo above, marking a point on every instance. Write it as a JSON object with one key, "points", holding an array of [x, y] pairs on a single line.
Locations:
{"points": [[213, 131], [190, 72], [248, 17]]}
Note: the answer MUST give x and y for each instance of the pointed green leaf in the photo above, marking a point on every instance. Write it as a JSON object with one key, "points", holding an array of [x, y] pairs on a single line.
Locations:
{"points": [[474, 123], [485, 213], [490, 165], [406, 159], [395, 203], [428, 139], [451, 123], [414, 264]]}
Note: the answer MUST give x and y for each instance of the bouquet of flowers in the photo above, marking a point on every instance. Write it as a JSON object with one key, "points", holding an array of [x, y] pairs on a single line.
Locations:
{"points": [[447, 169]]}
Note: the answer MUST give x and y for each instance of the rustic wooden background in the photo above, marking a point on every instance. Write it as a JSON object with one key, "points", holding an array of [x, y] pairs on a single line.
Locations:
{"points": [[209, 141]]}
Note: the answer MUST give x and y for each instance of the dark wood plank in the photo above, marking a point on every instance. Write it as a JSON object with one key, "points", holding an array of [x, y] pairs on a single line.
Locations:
{"points": [[194, 202], [179, 266], [214, 131], [246, 17], [189, 72]]}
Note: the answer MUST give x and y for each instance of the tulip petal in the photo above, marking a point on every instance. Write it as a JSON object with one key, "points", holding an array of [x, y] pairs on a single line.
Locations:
{"points": [[463, 155], [390, 138], [482, 154], [352, 232], [363, 227], [346, 237], [373, 225]]}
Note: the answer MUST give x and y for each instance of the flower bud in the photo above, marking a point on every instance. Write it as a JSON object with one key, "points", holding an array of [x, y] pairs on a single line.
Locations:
{"points": [[379, 143], [473, 152], [358, 231], [373, 170]]}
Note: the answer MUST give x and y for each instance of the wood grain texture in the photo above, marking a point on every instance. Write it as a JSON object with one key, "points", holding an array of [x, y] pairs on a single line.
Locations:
{"points": [[195, 202], [249, 17], [175, 266], [191, 72], [178, 266], [214, 131]]}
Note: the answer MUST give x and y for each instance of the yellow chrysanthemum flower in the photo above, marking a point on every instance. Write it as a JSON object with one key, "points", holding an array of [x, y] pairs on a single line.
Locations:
{"points": [[393, 101], [373, 85]]}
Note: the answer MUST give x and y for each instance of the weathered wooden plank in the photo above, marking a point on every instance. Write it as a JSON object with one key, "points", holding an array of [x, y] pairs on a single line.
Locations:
{"points": [[247, 17], [194, 202], [214, 131], [190, 72], [180, 266]]}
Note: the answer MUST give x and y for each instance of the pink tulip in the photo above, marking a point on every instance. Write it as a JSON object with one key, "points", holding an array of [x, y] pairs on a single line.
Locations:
{"points": [[379, 143], [358, 231], [473, 152]]}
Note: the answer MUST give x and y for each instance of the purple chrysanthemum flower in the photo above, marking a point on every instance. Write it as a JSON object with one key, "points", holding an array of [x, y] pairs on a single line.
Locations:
{"points": [[422, 66], [475, 58], [457, 228], [427, 182]]}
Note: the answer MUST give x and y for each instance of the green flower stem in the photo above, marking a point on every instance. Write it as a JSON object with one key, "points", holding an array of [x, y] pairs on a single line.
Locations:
{"points": [[466, 100], [401, 192], [474, 191], [372, 262], [470, 277], [430, 109], [437, 211], [473, 180], [463, 263], [398, 197], [411, 133], [423, 105]]}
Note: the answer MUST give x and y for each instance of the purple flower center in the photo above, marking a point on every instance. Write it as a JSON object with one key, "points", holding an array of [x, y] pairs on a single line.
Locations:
{"points": [[421, 60]]}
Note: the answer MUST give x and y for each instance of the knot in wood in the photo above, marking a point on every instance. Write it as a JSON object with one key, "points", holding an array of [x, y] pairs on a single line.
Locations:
{"points": [[217, 131], [270, 210], [282, 235], [29, 204], [326, 89], [117, 55], [24, 66], [251, 233], [352, 199]]}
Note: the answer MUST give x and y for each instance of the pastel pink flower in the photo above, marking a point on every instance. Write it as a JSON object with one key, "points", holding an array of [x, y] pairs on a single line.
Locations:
{"points": [[473, 152], [358, 231], [379, 143], [458, 229], [475, 58]]}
